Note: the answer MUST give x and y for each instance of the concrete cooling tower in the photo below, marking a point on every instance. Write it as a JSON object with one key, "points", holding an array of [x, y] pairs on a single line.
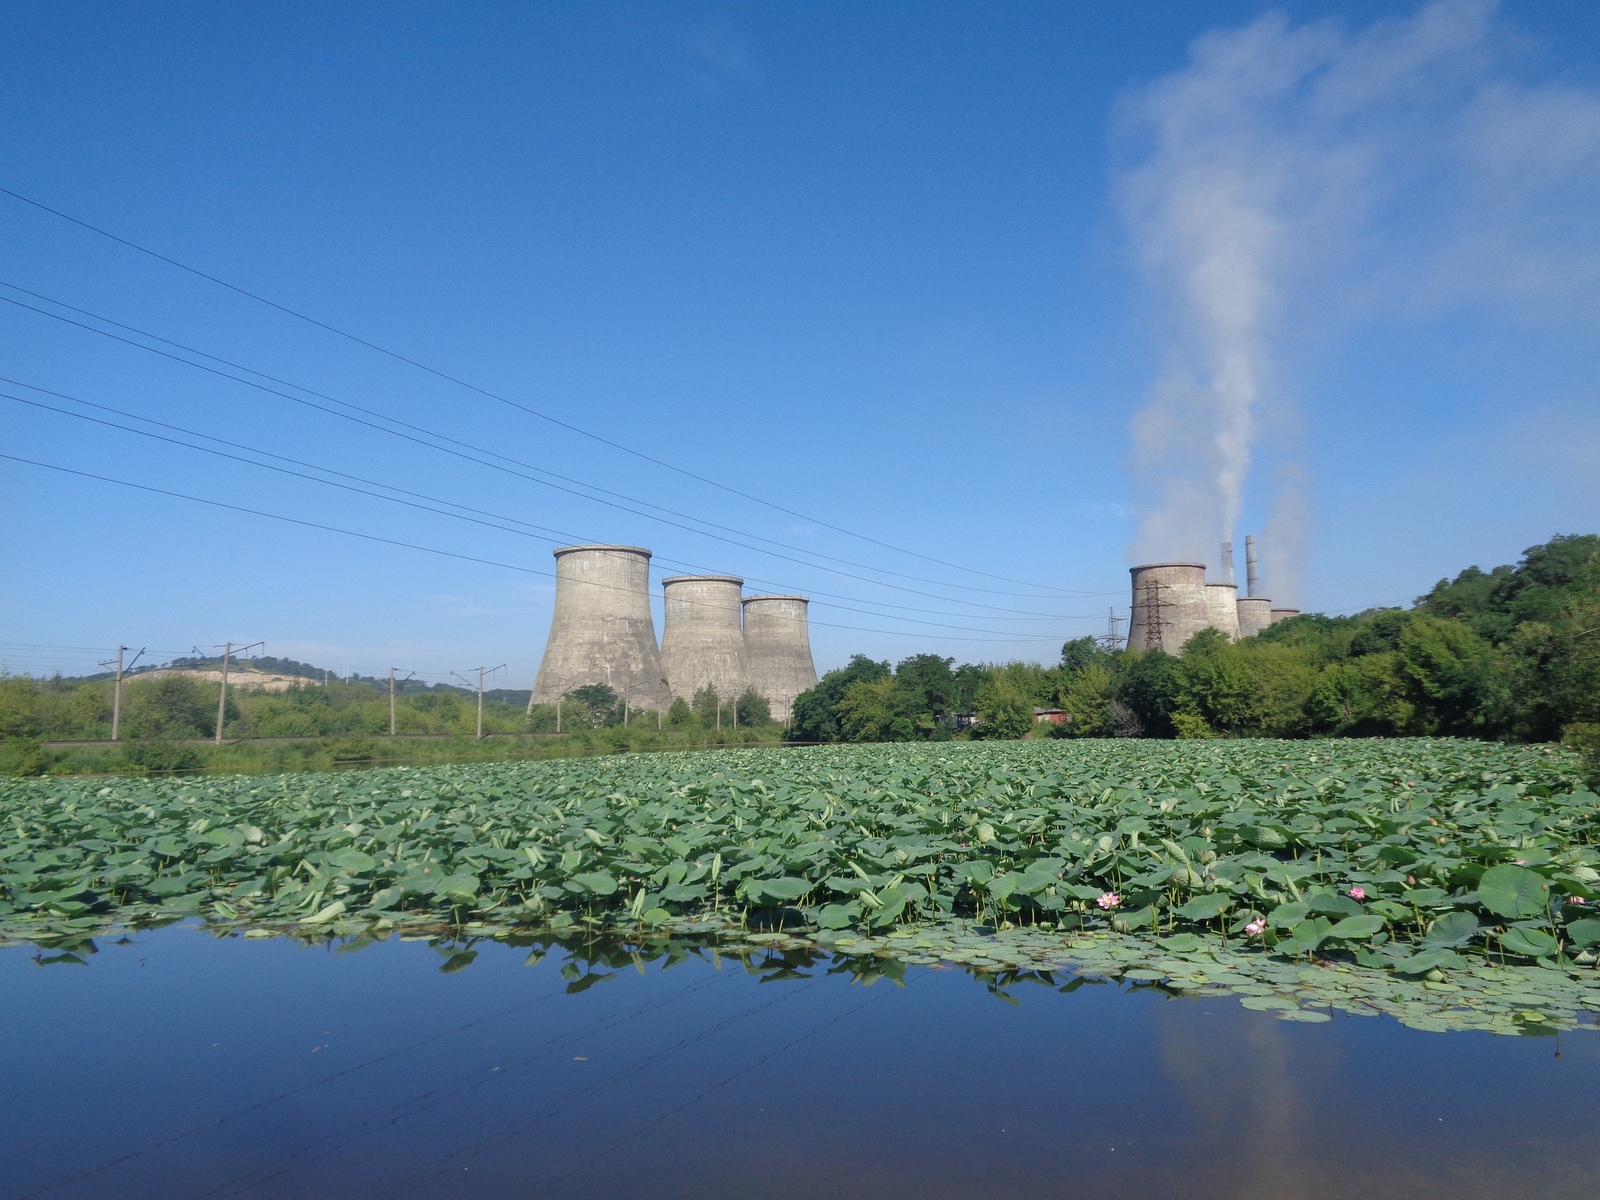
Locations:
{"points": [[777, 648], [1170, 605], [1255, 614], [701, 641], [602, 631], [1222, 604], [1283, 614]]}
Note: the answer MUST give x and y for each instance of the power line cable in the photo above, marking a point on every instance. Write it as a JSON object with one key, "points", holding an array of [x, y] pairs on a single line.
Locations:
{"points": [[491, 524], [372, 537], [516, 473], [561, 534], [639, 454]]}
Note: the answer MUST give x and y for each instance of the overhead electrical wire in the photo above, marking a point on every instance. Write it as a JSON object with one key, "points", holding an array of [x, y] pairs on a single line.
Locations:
{"points": [[411, 437], [421, 366], [372, 537], [564, 536], [491, 524]]}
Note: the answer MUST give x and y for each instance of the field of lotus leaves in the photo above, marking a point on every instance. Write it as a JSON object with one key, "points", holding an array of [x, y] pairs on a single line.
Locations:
{"points": [[1408, 868]]}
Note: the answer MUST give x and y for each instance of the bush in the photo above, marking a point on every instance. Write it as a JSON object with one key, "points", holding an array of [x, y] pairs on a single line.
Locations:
{"points": [[158, 754], [25, 756], [354, 748], [1585, 739]]}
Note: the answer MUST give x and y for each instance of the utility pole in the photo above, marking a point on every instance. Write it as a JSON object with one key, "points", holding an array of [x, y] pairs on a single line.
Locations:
{"points": [[481, 671], [116, 691], [222, 696], [559, 699], [719, 714], [391, 697]]}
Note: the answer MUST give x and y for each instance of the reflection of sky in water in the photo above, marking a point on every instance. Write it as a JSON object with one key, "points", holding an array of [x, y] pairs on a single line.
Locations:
{"points": [[182, 1066]]}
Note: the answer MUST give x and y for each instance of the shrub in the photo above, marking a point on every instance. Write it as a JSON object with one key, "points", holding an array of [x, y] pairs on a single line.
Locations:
{"points": [[158, 754], [25, 756]]}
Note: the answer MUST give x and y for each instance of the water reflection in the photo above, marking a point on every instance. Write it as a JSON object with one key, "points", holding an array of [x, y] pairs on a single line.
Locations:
{"points": [[179, 1065]]}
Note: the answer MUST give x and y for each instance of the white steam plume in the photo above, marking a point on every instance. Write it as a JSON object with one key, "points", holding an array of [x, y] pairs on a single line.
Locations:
{"points": [[1290, 180]]}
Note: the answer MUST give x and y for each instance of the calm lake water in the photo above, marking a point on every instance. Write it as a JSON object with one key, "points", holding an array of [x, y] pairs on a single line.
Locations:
{"points": [[184, 1066]]}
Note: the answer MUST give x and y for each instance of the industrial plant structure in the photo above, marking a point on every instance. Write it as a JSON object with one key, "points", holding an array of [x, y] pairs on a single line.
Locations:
{"points": [[602, 632], [1173, 601], [1170, 606], [702, 641], [777, 642]]}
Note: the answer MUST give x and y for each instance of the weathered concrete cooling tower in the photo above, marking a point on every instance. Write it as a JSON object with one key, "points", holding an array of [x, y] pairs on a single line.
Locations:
{"points": [[701, 641], [1169, 606], [777, 650], [602, 631], [1283, 614], [1255, 614], [1222, 605]]}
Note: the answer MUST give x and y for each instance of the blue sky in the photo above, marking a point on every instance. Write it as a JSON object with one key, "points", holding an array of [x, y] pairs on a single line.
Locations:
{"points": [[910, 271]]}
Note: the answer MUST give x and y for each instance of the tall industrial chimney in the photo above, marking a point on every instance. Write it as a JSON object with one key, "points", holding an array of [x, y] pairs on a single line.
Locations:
{"points": [[602, 631], [1252, 569], [1227, 563], [777, 648], [1169, 606], [701, 640]]}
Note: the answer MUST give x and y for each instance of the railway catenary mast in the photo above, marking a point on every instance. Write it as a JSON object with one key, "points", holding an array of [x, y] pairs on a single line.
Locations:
{"points": [[777, 645], [701, 639], [602, 631]]}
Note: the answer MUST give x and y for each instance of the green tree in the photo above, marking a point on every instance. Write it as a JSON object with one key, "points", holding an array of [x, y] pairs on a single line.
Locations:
{"points": [[1082, 653], [1087, 700], [1446, 667], [707, 706], [680, 715], [599, 703], [924, 697], [1005, 706], [172, 706], [816, 716], [1215, 686], [753, 708], [1149, 687], [864, 713]]}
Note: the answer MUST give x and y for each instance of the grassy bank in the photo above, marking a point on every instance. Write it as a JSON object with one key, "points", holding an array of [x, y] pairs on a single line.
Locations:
{"points": [[29, 756]]}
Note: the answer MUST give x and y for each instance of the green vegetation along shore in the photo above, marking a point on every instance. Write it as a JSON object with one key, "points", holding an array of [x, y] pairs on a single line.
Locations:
{"points": [[1511, 654], [166, 720], [1417, 868]]}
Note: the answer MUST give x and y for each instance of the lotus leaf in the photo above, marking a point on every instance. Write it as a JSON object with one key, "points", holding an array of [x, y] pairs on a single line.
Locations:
{"points": [[1356, 928], [1452, 929], [1584, 933], [1513, 891], [1533, 943]]}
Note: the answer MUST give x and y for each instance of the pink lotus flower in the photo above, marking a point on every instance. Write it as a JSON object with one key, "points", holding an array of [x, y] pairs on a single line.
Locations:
{"points": [[1521, 862], [1576, 900], [1256, 928], [1109, 900], [1358, 893]]}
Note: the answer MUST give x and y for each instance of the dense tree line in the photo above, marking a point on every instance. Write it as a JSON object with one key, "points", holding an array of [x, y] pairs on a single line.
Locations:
{"points": [[1512, 653], [177, 707]]}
